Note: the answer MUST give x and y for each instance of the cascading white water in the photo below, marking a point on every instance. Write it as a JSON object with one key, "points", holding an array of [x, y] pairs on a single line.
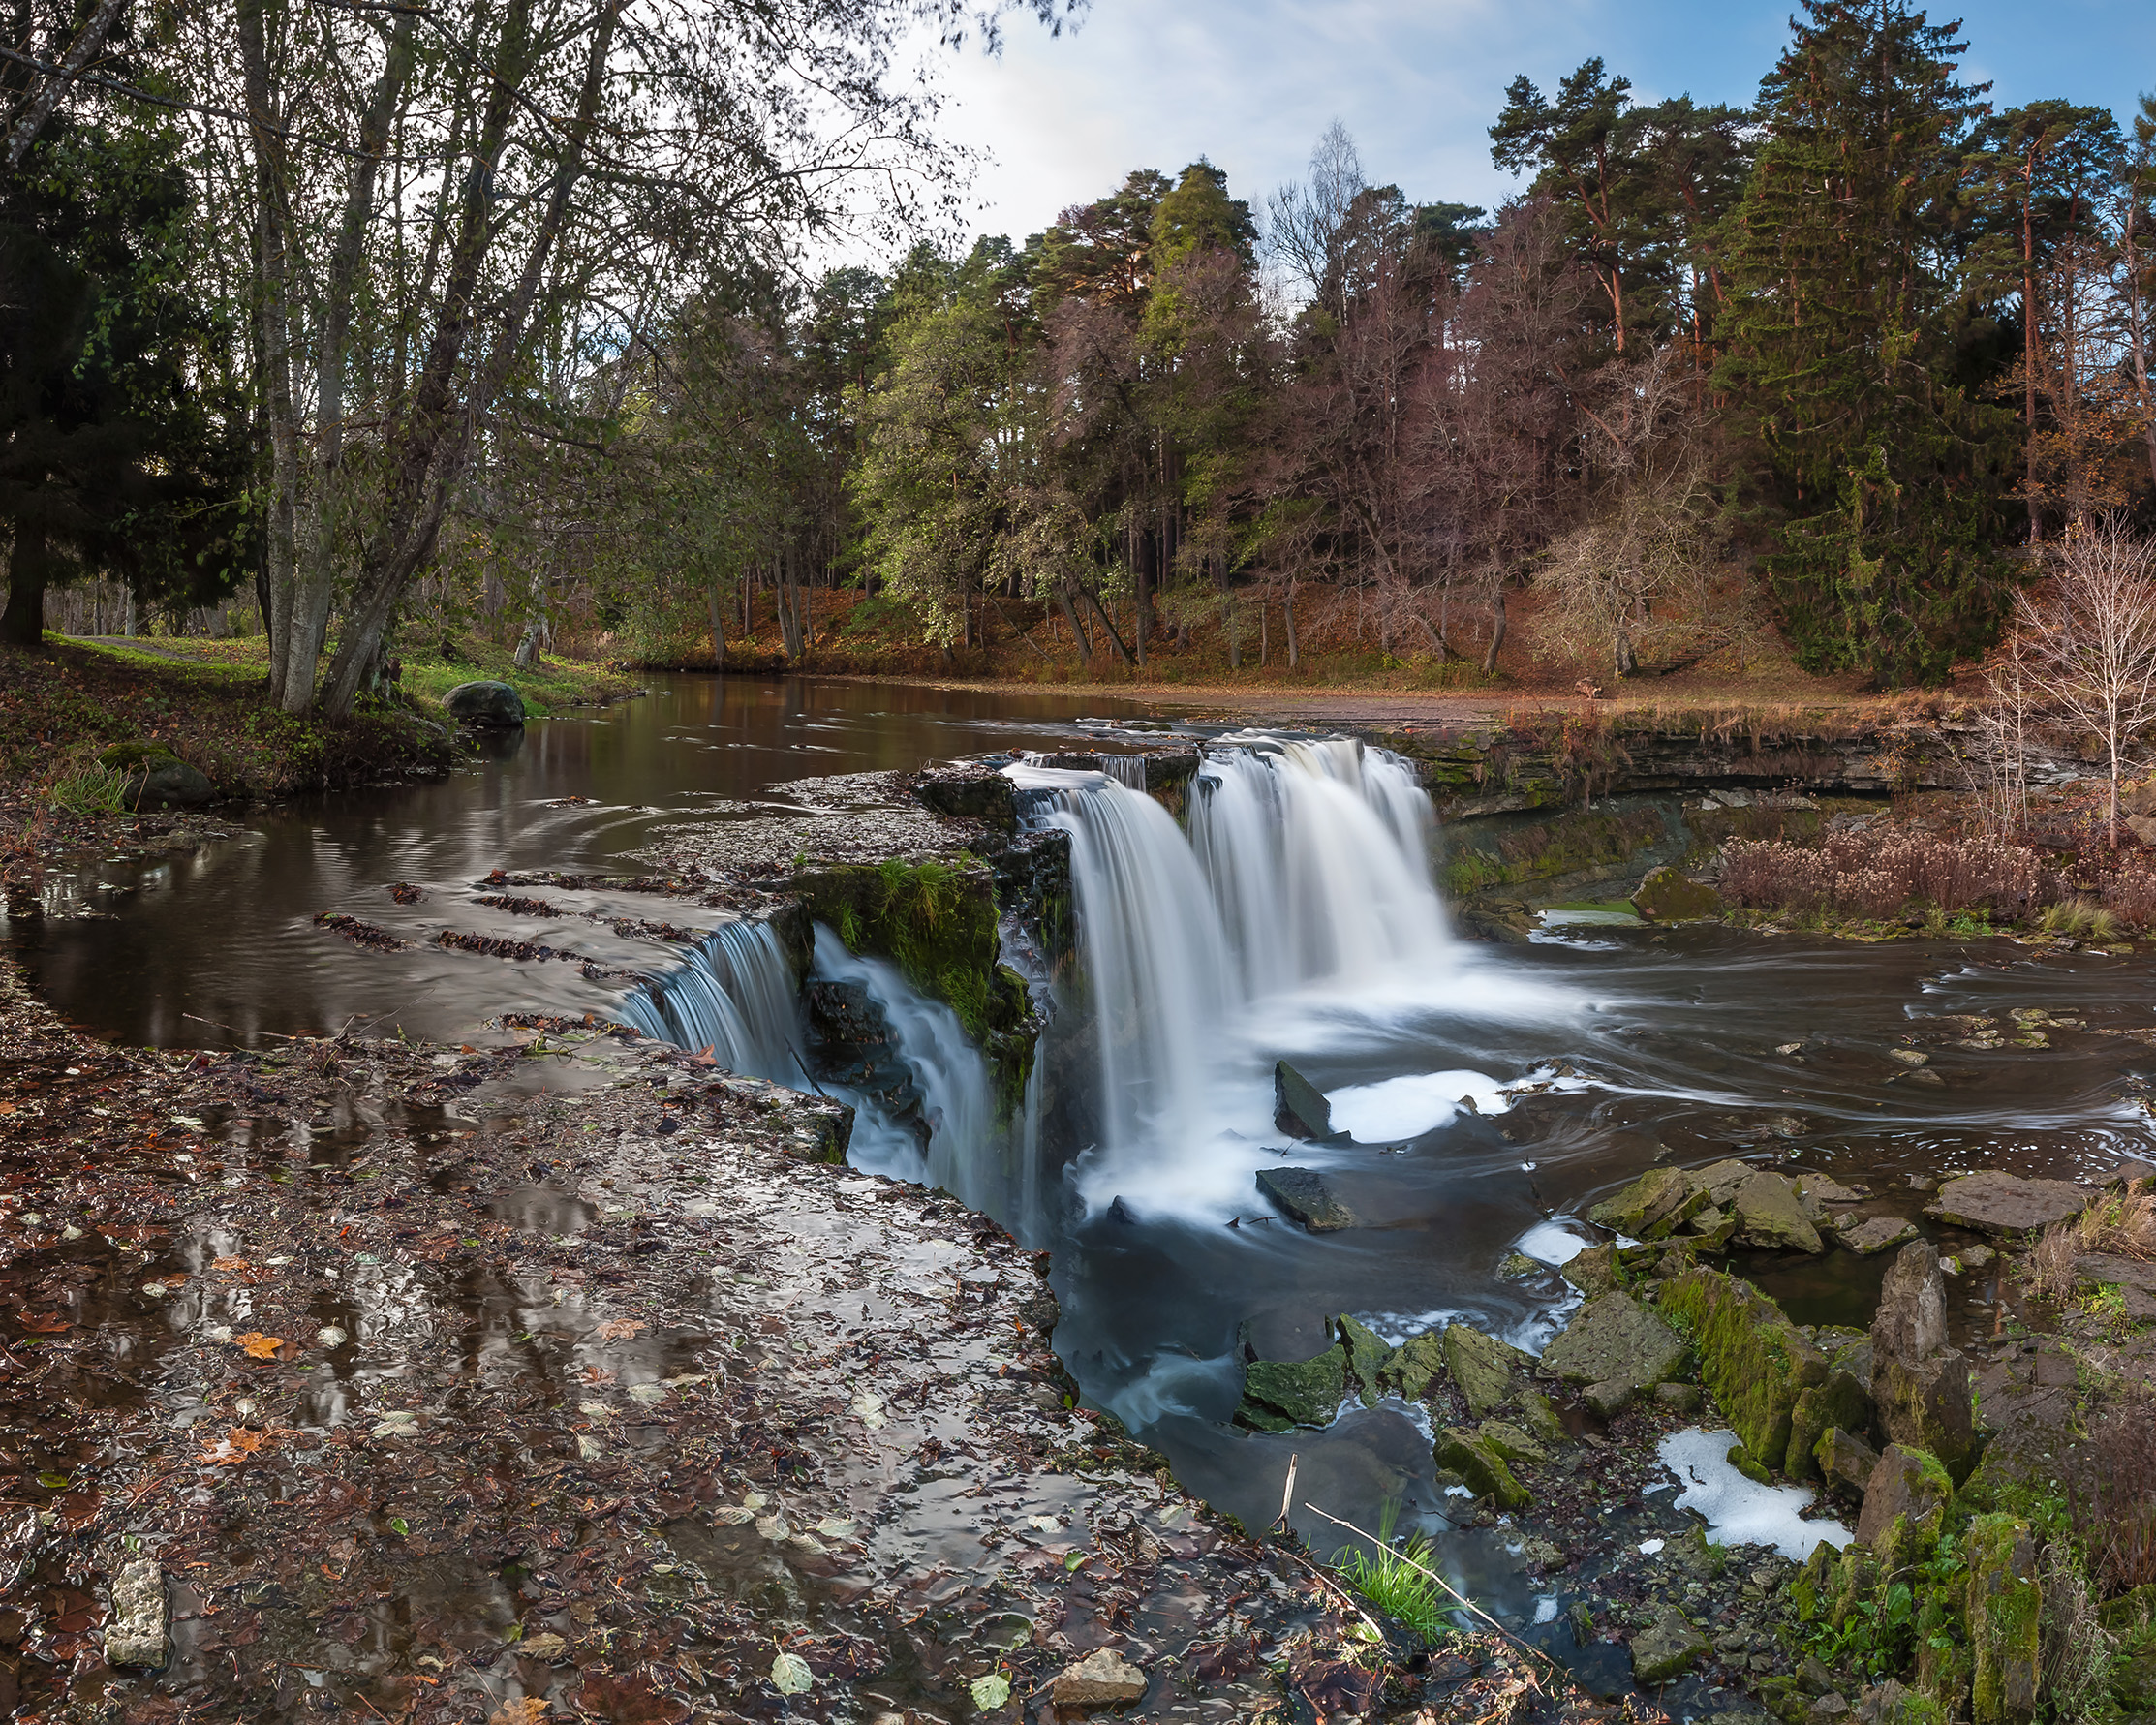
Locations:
{"points": [[947, 1069], [1307, 866], [735, 996]]}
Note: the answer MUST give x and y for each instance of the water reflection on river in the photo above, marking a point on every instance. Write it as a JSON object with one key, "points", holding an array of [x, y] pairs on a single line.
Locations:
{"points": [[217, 948]]}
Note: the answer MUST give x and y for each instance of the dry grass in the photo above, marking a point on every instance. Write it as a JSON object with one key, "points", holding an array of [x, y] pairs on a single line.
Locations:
{"points": [[2110, 1493], [2123, 1226]]}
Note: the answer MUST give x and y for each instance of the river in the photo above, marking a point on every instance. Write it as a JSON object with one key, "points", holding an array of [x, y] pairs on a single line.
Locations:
{"points": [[1493, 1092]]}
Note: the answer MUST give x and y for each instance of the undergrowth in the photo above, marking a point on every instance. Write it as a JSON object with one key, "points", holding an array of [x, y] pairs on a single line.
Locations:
{"points": [[1393, 1580]]}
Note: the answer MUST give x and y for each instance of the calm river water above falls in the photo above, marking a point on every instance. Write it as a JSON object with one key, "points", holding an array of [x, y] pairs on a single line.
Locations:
{"points": [[1619, 1046]]}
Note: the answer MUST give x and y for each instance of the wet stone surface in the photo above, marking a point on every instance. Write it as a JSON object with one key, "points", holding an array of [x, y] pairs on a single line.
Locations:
{"points": [[431, 1385]]}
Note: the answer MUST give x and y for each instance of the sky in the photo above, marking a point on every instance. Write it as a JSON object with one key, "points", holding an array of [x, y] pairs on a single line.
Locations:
{"points": [[1250, 83]]}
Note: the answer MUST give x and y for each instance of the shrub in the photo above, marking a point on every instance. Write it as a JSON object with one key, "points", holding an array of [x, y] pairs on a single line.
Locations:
{"points": [[2131, 898], [1874, 877], [2110, 1493]]}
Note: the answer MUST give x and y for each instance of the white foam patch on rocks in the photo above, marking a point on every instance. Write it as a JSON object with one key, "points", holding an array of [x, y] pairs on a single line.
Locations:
{"points": [[1740, 1511], [1409, 1106], [1550, 1242]]}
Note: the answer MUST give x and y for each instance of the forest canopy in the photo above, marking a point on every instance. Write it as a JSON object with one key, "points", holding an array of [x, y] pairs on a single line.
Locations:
{"points": [[398, 321]]}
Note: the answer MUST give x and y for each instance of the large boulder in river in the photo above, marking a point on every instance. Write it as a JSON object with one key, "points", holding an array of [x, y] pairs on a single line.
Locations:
{"points": [[1771, 1213], [1481, 1466], [1280, 1393], [1484, 1369], [485, 703], [1298, 1107], [157, 777], [1668, 896]]}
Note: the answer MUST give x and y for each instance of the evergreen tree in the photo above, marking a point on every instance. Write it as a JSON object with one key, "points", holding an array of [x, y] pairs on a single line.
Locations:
{"points": [[1881, 476]]}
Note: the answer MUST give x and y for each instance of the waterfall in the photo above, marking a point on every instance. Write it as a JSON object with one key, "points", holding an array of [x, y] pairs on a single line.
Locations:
{"points": [[1306, 867], [734, 996], [947, 1071]]}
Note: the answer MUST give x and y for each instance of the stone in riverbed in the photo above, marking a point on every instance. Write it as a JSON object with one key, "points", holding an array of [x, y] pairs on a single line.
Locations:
{"points": [[1278, 1394], [1998, 1203], [1480, 1466], [1844, 1460], [1298, 1107], [1592, 1271], [1510, 1443], [1910, 1486], [1920, 1386], [1305, 1198], [1722, 1179], [485, 703], [1483, 1367], [1770, 1214], [1368, 1354], [1841, 1400], [1102, 1678], [1653, 1205], [2135, 1282], [1668, 895], [136, 1633], [1416, 1364], [1666, 1648], [1876, 1233], [1614, 1340]]}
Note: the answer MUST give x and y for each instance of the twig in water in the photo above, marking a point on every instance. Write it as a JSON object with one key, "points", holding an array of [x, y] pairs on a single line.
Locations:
{"points": [[1414, 1563], [1287, 1495]]}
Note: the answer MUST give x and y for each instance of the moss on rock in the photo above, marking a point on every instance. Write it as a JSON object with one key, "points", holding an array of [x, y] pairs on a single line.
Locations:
{"points": [[1752, 1359]]}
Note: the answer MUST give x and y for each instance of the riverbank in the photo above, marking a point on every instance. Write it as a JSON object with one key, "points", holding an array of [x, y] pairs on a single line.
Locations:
{"points": [[566, 1372]]}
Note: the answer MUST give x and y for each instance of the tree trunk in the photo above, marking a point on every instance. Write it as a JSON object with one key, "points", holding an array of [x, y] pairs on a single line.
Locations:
{"points": [[437, 439], [22, 623], [1108, 624], [1070, 616], [81, 52], [2028, 343], [2137, 318], [1288, 615], [718, 630], [1496, 629], [290, 682]]}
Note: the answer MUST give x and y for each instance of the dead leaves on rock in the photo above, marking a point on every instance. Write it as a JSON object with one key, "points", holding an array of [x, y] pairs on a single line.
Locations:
{"points": [[620, 1328]]}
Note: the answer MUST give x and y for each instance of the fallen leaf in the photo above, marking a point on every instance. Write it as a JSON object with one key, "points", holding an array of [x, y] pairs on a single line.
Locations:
{"points": [[246, 1442], [260, 1347], [620, 1328], [991, 1691], [546, 1645], [790, 1674], [527, 1711], [44, 1324], [229, 1264]]}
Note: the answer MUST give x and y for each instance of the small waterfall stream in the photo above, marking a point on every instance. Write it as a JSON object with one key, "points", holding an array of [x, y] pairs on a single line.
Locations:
{"points": [[734, 996]]}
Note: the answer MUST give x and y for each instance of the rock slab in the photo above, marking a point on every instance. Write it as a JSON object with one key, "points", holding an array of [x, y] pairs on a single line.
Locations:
{"points": [[2006, 1609], [1905, 1483], [1771, 1213], [1615, 1341], [1482, 1366], [1999, 1203], [136, 1633], [1876, 1233], [1298, 1107], [1305, 1198]]}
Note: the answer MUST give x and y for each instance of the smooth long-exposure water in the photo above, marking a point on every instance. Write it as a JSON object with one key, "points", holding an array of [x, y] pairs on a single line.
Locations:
{"points": [[1490, 1091]]}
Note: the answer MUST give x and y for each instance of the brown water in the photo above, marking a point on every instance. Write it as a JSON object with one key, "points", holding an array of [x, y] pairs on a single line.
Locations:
{"points": [[219, 949]]}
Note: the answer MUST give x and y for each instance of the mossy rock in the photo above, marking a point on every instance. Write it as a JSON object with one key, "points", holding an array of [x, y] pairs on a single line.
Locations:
{"points": [[1752, 1359], [1416, 1365], [1278, 1394], [1481, 1467], [1656, 1204], [1841, 1401], [1368, 1354], [936, 920], [157, 777], [1668, 896], [2004, 1614]]}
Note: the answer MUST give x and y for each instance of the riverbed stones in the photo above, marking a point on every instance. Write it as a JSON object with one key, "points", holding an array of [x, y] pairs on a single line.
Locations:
{"points": [[138, 1631], [1298, 1107], [1280, 1393], [1102, 1679], [2135, 1280], [1306, 1198], [1653, 1205], [1771, 1213], [1667, 1648], [1510, 1443], [1918, 1385], [2005, 1612], [1753, 1361], [1906, 1485], [1368, 1354], [486, 705], [1482, 1366], [1844, 1460], [1592, 1271], [1668, 895], [1722, 1179], [1482, 1468], [1841, 1401], [1416, 1364], [1875, 1233], [1998, 1203], [1615, 1342]]}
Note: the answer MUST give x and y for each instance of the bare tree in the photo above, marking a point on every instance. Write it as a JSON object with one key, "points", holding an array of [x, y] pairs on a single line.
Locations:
{"points": [[2090, 637], [1305, 219]]}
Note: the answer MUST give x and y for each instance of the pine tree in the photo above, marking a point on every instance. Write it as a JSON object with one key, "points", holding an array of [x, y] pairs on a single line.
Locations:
{"points": [[1881, 478]]}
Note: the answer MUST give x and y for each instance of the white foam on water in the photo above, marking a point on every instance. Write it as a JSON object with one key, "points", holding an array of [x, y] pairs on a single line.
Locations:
{"points": [[1740, 1511], [1550, 1242], [1409, 1106], [1546, 1607]]}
